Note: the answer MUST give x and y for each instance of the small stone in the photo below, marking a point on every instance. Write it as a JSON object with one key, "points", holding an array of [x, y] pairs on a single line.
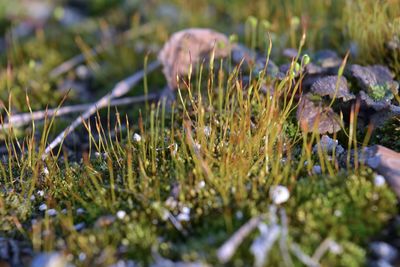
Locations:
{"points": [[137, 138], [290, 53], [327, 58], [383, 251], [315, 117], [51, 212], [332, 86], [317, 169], [328, 144], [279, 194], [121, 214], [79, 226], [80, 211]]}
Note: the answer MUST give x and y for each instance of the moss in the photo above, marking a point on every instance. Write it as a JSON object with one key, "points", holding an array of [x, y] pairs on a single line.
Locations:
{"points": [[388, 134], [347, 208]]}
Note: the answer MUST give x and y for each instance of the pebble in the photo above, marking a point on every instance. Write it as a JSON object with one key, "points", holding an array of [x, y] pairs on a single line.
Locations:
{"points": [[43, 207], [279, 194]]}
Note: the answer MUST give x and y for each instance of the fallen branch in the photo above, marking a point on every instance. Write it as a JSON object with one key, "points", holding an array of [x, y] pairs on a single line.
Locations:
{"points": [[226, 251], [22, 119], [78, 59], [120, 89]]}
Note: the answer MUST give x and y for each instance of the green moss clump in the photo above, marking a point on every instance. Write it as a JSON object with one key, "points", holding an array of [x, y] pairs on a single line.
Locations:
{"points": [[347, 208], [388, 135]]}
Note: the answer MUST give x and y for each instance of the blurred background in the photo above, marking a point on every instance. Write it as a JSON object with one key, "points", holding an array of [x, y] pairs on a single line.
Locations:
{"points": [[36, 36]]}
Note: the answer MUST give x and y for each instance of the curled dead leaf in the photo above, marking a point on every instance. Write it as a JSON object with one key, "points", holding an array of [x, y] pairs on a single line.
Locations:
{"points": [[189, 47], [315, 117]]}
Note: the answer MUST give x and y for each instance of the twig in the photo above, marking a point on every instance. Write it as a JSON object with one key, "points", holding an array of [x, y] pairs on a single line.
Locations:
{"points": [[22, 119], [284, 239], [226, 251], [325, 246], [304, 258], [78, 59], [263, 244], [120, 89]]}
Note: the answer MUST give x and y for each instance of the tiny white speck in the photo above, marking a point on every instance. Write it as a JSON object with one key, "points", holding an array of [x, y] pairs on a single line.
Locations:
{"points": [[239, 215], [202, 184], [335, 248], [137, 137], [40, 193], [197, 147], [379, 180], [207, 131], [43, 207], [32, 198], [186, 210], [46, 171], [182, 217], [279, 194], [121, 214], [337, 213]]}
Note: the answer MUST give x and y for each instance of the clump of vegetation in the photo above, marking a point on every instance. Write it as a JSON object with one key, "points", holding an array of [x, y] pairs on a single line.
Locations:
{"points": [[388, 134], [380, 92]]}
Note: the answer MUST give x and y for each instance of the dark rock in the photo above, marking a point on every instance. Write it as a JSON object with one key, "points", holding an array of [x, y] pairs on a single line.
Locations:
{"points": [[312, 68], [376, 80], [290, 53], [314, 116], [379, 263], [327, 86], [367, 101], [386, 162], [327, 59], [272, 69], [383, 251]]}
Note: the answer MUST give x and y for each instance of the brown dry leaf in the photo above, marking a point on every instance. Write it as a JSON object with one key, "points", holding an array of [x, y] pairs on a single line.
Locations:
{"points": [[315, 117], [189, 47]]}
